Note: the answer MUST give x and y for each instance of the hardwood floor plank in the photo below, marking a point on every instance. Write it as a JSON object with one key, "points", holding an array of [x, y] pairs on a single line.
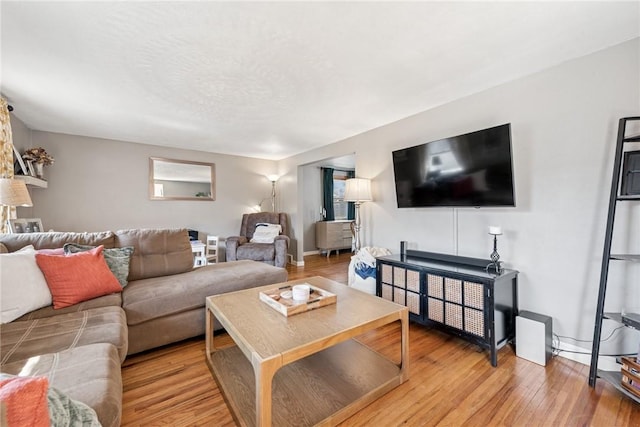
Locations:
{"points": [[547, 394], [451, 383], [528, 378]]}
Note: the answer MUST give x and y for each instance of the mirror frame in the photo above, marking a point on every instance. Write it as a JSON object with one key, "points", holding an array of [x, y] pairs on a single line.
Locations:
{"points": [[152, 196]]}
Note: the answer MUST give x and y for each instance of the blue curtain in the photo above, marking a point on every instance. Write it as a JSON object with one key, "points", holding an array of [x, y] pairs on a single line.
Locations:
{"points": [[327, 194], [351, 207]]}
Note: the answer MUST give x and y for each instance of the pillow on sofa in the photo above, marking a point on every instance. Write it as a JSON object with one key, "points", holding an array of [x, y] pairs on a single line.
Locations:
{"points": [[56, 251], [24, 400], [31, 402], [23, 288], [77, 277], [118, 259], [266, 233]]}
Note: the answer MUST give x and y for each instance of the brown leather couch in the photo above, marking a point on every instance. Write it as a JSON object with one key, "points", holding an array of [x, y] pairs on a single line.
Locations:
{"points": [[80, 348]]}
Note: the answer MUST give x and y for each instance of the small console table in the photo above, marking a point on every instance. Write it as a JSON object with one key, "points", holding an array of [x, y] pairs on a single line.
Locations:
{"points": [[333, 235], [199, 253], [453, 293]]}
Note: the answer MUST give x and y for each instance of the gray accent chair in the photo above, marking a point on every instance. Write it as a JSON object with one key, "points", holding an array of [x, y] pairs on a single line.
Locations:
{"points": [[240, 247]]}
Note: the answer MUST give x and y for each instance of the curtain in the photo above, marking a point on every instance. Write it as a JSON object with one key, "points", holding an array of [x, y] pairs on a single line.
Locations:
{"points": [[327, 194], [6, 160], [351, 207]]}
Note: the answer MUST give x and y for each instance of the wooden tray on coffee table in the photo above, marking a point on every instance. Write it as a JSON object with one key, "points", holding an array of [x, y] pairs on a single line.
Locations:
{"points": [[281, 299]]}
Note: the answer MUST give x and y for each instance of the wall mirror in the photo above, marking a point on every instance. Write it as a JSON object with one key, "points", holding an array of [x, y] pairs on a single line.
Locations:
{"points": [[171, 179]]}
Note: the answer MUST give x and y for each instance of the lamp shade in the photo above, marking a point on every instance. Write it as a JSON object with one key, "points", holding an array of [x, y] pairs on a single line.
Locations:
{"points": [[495, 230], [13, 192], [357, 190]]}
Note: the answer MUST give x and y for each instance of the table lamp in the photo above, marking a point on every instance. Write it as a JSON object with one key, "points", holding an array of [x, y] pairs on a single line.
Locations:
{"points": [[495, 256], [13, 192]]}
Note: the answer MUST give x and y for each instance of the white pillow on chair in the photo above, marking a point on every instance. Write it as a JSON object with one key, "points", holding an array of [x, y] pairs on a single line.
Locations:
{"points": [[266, 233]]}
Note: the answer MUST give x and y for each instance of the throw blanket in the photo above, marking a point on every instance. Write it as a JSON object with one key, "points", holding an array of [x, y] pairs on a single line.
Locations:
{"points": [[365, 261], [31, 401]]}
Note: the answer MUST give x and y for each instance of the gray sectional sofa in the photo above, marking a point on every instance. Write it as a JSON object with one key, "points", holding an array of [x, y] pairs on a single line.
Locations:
{"points": [[81, 348]]}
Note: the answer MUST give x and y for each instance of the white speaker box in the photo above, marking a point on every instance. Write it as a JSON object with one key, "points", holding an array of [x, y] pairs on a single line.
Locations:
{"points": [[533, 337]]}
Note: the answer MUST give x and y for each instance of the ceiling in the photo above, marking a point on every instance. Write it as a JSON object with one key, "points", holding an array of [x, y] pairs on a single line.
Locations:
{"points": [[273, 79]]}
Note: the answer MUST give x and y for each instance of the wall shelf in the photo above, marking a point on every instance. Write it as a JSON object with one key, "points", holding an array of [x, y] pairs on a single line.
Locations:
{"points": [[33, 181]]}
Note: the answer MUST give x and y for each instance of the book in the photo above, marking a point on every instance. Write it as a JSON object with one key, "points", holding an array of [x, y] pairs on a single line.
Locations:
{"points": [[630, 376]]}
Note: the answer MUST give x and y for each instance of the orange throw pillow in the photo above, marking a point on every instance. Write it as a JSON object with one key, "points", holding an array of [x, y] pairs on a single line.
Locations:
{"points": [[25, 401], [78, 277]]}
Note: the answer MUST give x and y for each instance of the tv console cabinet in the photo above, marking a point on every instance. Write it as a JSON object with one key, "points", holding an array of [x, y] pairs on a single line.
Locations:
{"points": [[453, 293]]}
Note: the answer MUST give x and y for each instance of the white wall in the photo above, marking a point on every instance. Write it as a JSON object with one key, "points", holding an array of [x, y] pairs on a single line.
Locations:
{"points": [[312, 184], [310, 181], [21, 133], [21, 136], [564, 122], [98, 184]]}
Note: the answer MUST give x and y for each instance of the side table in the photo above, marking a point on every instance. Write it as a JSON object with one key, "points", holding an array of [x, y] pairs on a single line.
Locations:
{"points": [[199, 253]]}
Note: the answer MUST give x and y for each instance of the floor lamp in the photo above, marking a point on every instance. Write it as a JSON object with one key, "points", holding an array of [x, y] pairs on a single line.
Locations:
{"points": [[13, 192], [357, 190], [273, 179]]}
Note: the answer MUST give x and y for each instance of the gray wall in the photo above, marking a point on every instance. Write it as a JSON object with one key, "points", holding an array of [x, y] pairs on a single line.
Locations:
{"points": [[98, 184], [564, 122], [312, 184], [21, 133]]}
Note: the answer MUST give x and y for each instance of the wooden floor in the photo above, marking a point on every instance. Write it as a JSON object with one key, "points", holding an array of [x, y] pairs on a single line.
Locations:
{"points": [[451, 383]]}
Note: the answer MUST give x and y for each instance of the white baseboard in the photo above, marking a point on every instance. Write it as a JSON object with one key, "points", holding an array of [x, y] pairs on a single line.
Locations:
{"points": [[316, 252], [294, 262], [606, 363]]}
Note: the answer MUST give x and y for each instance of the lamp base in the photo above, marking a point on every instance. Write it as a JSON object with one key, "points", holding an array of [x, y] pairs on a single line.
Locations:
{"points": [[356, 228], [495, 266], [495, 257]]}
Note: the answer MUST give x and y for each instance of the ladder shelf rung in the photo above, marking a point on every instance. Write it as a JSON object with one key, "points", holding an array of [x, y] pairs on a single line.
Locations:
{"points": [[634, 138], [615, 379], [625, 257], [627, 198], [631, 320], [613, 316]]}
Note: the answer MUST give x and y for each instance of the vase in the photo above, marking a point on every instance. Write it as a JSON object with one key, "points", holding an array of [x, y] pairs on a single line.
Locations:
{"points": [[39, 169]]}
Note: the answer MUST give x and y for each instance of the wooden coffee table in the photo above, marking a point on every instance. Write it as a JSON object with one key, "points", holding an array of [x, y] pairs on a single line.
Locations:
{"points": [[304, 369]]}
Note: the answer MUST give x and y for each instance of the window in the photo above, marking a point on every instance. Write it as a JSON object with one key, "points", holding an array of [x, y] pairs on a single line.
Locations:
{"points": [[339, 205], [333, 188]]}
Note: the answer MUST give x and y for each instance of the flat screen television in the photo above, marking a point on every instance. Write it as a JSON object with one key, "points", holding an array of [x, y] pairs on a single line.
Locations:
{"points": [[470, 170]]}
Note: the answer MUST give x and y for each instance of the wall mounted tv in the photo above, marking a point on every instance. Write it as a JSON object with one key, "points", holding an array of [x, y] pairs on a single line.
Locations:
{"points": [[470, 170]]}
